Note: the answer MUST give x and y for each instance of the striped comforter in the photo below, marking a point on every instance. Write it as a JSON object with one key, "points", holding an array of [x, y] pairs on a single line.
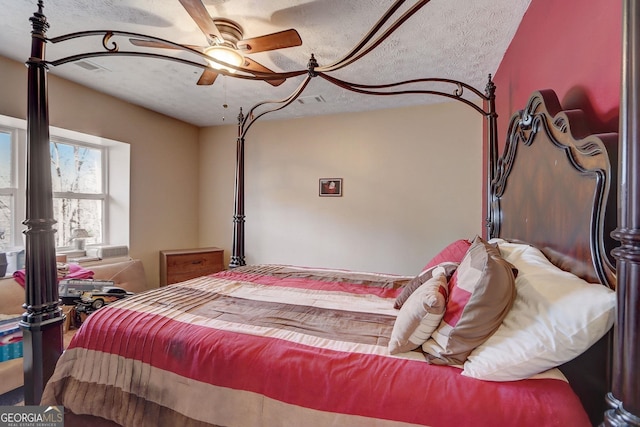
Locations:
{"points": [[280, 346]]}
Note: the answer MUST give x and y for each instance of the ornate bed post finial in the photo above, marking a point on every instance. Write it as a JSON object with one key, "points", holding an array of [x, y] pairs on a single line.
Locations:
{"points": [[42, 322], [490, 88], [312, 65], [39, 21], [237, 252]]}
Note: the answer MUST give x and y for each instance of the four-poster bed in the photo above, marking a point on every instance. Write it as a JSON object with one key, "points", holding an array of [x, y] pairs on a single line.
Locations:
{"points": [[216, 307], [460, 92]]}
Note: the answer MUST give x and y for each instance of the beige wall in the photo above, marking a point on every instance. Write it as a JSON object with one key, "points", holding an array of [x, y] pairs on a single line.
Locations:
{"points": [[412, 184], [412, 179], [164, 158]]}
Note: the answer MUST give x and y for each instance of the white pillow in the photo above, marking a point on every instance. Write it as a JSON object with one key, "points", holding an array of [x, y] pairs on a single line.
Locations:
{"points": [[556, 316], [420, 315]]}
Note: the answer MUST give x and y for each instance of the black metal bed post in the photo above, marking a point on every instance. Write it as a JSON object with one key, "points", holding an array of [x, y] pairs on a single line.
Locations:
{"points": [[624, 398], [42, 322], [492, 152], [237, 256]]}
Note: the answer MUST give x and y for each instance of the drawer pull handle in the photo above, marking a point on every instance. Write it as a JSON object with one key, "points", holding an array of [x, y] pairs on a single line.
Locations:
{"points": [[196, 262]]}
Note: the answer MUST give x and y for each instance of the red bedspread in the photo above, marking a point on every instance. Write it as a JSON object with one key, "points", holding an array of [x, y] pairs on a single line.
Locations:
{"points": [[280, 346]]}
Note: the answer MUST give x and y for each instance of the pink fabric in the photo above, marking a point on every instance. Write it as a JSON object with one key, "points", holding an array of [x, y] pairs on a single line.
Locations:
{"points": [[378, 386], [75, 272], [458, 299], [452, 253], [306, 283]]}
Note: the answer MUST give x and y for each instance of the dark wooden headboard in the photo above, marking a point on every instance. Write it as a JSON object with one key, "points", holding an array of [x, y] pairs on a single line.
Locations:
{"points": [[554, 188], [560, 195]]}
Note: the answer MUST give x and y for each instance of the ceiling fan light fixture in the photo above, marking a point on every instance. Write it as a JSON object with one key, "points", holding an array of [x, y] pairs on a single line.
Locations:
{"points": [[224, 54]]}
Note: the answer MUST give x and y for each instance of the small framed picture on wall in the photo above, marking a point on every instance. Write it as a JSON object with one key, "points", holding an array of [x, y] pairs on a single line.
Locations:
{"points": [[330, 187]]}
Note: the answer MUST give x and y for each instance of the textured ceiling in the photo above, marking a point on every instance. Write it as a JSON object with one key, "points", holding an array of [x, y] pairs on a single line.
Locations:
{"points": [[462, 40]]}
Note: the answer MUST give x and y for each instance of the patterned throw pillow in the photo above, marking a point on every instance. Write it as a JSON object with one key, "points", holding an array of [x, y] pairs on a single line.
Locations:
{"points": [[421, 314], [416, 282], [481, 293]]}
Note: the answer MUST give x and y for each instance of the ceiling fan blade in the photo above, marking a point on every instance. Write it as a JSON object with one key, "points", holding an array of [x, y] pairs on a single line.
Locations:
{"points": [[255, 66], [153, 43], [279, 40], [199, 14], [207, 78]]}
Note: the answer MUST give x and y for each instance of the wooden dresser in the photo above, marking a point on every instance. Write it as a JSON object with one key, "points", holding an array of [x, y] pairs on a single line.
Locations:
{"points": [[178, 265]]}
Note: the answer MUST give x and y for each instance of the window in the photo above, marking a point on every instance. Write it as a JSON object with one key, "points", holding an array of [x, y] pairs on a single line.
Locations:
{"points": [[10, 183], [78, 190], [90, 183], [7, 187]]}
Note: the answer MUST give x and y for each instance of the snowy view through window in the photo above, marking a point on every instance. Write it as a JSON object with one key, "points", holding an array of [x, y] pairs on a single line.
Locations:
{"points": [[76, 173], [77, 181], [6, 190]]}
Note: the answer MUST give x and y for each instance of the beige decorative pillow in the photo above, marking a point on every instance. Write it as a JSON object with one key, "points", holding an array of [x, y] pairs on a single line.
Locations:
{"points": [[481, 293], [416, 282], [421, 314]]}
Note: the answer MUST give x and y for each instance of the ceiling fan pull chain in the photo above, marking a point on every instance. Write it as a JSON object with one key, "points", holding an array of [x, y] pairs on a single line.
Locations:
{"points": [[224, 87]]}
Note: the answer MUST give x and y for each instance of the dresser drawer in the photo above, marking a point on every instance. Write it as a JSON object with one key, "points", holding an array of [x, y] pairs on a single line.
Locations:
{"points": [[184, 264]]}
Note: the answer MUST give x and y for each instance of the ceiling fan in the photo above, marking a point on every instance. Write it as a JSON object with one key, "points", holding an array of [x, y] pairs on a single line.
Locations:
{"points": [[226, 43]]}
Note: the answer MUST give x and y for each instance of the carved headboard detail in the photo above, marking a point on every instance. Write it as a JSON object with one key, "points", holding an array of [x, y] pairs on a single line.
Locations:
{"points": [[569, 211]]}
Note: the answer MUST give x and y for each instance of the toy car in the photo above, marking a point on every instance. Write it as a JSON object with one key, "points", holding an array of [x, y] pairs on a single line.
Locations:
{"points": [[106, 295], [70, 290]]}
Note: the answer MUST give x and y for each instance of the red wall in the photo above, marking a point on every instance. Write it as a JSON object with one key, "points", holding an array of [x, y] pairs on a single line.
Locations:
{"points": [[571, 46]]}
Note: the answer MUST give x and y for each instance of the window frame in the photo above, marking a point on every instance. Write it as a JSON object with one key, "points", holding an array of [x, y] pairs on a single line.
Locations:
{"points": [[18, 177], [104, 185], [116, 156]]}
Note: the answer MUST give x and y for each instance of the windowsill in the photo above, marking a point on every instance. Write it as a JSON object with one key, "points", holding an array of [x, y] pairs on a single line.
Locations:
{"points": [[86, 261], [89, 261], [72, 253], [83, 259]]}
